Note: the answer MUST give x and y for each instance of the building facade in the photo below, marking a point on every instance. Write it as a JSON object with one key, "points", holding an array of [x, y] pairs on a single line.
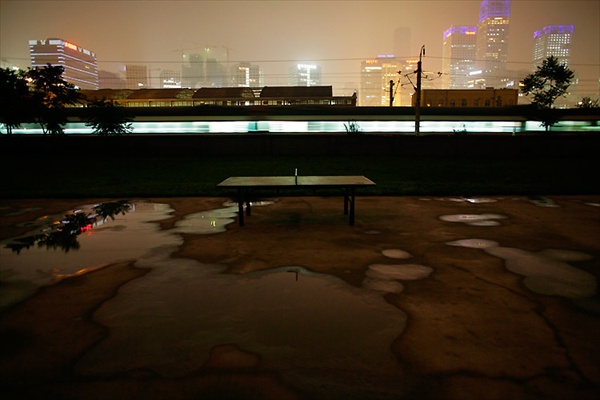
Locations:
{"points": [[246, 75], [170, 79], [375, 77], [492, 42], [489, 98], [136, 77], [80, 65], [458, 56], [552, 40], [305, 75]]}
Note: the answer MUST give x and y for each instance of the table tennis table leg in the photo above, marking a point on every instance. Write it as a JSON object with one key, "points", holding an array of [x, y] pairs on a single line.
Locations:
{"points": [[351, 199], [241, 197]]}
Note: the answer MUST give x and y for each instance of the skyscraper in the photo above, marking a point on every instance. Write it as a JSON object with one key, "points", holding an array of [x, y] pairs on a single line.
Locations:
{"points": [[246, 75], [552, 40], [305, 75], [492, 41], [80, 66], [458, 57], [136, 77], [375, 77]]}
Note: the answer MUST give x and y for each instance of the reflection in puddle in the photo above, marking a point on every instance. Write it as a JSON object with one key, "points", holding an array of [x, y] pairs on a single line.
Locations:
{"points": [[124, 238], [384, 277], [63, 233], [91, 237], [170, 319], [189, 308], [543, 202], [545, 272], [396, 253], [474, 219]]}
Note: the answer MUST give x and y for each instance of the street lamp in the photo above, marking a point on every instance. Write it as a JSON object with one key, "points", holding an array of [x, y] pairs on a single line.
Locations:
{"points": [[418, 101]]}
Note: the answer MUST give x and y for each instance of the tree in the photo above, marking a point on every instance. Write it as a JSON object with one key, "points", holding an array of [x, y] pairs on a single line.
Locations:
{"points": [[549, 82], [51, 94], [14, 98], [588, 102], [108, 118]]}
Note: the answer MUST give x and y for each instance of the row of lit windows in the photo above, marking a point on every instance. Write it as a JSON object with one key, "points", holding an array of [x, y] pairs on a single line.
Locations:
{"points": [[464, 103]]}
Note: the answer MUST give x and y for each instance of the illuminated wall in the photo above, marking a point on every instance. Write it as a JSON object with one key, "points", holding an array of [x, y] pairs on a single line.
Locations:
{"points": [[492, 41], [304, 75], [552, 40], [80, 65], [458, 57], [375, 77]]}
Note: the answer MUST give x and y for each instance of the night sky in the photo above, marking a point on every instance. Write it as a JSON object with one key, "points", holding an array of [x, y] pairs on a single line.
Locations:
{"points": [[275, 34]]}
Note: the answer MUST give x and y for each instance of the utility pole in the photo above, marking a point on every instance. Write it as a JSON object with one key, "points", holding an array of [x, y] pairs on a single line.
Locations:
{"points": [[418, 102], [391, 93]]}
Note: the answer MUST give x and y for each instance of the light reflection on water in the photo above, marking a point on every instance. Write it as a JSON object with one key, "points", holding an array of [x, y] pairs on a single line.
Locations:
{"points": [[169, 319], [127, 237]]}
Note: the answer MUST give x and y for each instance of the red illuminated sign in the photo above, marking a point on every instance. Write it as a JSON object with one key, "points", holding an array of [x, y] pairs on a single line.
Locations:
{"points": [[70, 46]]}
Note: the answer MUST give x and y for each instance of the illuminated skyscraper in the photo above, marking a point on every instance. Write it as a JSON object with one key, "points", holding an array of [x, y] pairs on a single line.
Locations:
{"points": [[170, 79], [458, 57], [552, 40], [136, 77], [305, 75], [492, 41], [80, 66], [246, 75], [375, 77]]}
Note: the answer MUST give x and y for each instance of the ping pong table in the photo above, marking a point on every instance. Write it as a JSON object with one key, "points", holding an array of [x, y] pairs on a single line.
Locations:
{"points": [[247, 185]]}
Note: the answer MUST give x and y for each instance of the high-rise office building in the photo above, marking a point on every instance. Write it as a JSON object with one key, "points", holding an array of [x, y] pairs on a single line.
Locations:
{"points": [[375, 77], [136, 77], [304, 75], [552, 40], [246, 75], [80, 65], [492, 41], [458, 56], [111, 80], [192, 70], [203, 68], [170, 79]]}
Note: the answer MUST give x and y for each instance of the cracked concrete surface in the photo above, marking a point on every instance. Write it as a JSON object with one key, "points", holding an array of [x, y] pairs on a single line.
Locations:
{"points": [[474, 328]]}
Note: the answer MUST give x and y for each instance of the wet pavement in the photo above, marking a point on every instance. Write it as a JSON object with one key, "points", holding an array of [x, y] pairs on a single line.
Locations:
{"points": [[424, 298]]}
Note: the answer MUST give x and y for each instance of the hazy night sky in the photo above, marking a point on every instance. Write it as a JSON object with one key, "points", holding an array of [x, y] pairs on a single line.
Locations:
{"points": [[275, 34]]}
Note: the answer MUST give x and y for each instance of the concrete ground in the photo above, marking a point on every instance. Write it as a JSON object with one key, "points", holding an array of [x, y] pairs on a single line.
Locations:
{"points": [[487, 298]]}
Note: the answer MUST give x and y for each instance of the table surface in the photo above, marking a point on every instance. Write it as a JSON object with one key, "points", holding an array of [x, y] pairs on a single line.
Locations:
{"points": [[291, 181]]}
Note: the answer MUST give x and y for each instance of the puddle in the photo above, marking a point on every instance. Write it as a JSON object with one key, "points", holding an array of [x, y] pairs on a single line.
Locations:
{"points": [[543, 202], [403, 272], [293, 320], [396, 253], [474, 219], [546, 272], [473, 200], [47, 254], [170, 319]]}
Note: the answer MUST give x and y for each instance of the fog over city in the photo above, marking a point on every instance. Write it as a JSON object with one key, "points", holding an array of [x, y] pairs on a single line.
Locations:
{"points": [[335, 34]]}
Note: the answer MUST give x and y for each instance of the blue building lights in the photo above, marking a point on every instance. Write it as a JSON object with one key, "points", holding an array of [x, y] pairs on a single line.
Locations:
{"points": [[494, 9], [554, 29]]}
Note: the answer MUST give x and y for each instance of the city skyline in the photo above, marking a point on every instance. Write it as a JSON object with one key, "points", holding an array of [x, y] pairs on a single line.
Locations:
{"points": [[277, 34]]}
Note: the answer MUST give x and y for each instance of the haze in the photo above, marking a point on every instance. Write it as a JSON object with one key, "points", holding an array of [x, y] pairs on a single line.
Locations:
{"points": [[275, 34]]}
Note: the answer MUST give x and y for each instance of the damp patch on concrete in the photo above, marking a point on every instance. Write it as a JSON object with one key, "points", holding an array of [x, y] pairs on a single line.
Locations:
{"points": [[106, 241], [385, 277], [396, 253], [546, 272], [543, 202], [474, 219], [170, 320]]}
